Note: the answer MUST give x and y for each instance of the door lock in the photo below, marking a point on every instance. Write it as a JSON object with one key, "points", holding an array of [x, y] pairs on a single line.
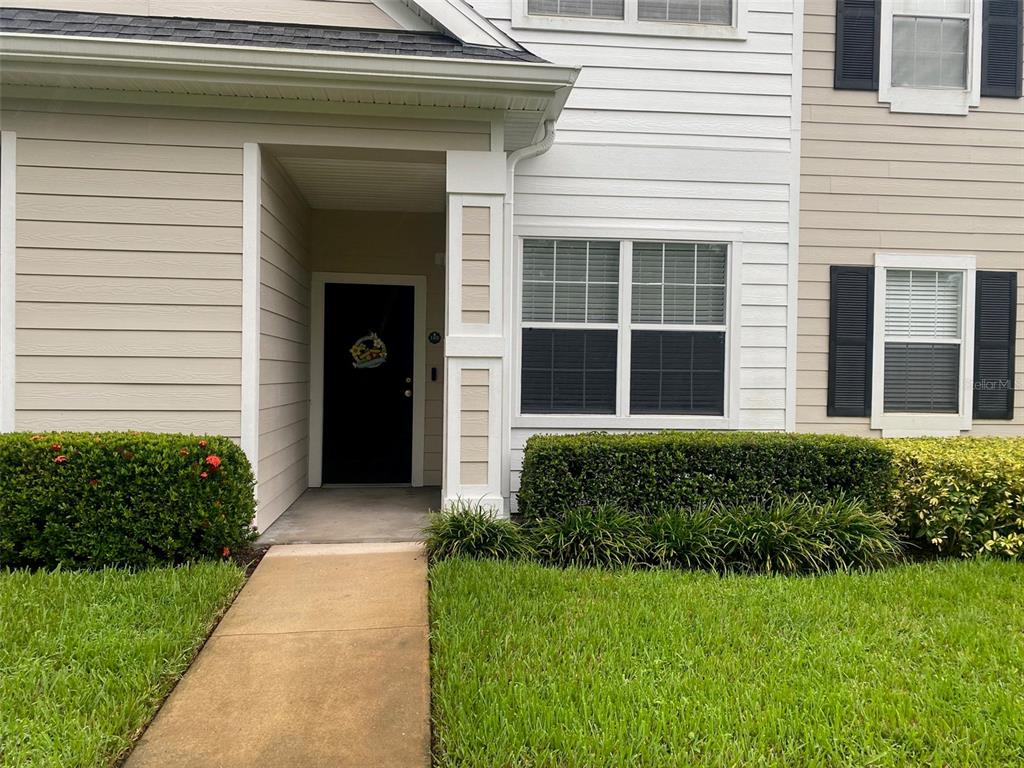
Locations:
{"points": [[408, 393]]}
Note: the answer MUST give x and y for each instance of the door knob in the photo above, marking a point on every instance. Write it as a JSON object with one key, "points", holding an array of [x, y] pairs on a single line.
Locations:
{"points": [[408, 393]]}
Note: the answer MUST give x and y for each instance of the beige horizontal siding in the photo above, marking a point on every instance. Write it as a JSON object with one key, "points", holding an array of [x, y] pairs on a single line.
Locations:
{"points": [[129, 257], [474, 422], [128, 307], [873, 181], [476, 264], [284, 344], [342, 13]]}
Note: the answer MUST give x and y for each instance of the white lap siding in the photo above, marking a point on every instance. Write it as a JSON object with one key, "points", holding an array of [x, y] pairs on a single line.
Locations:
{"points": [[682, 136], [284, 343]]}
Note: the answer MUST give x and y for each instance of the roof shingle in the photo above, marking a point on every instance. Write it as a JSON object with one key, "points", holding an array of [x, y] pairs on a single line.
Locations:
{"points": [[264, 35]]}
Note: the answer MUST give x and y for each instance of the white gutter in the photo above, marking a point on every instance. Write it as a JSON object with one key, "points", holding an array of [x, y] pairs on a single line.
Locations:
{"points": [[136, 57], [530, 150]]}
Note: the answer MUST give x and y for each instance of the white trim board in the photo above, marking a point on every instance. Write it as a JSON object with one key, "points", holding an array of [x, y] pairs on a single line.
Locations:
{"points": [[252, 182], [316, 365], [8, 274], [924, 424], [793, 247]]}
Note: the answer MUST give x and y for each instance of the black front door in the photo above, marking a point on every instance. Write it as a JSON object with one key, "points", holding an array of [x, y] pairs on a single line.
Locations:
{"points": [[368, 376]]}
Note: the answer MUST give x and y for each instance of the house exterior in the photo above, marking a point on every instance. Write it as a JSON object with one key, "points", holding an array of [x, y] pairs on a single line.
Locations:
{"points": [[911, 219], [387, 241]]}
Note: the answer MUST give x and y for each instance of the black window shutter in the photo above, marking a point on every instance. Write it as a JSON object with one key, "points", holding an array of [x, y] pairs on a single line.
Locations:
{"points": [[857, 30], [850, 338], [1002, 34], [995, 325]]}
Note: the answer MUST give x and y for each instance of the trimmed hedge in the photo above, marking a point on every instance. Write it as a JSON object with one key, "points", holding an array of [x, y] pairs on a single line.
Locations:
{"points": [[647, 473], [961, 496], [90, 500]]}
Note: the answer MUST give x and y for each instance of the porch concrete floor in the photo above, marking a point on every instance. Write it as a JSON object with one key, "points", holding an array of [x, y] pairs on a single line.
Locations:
{"points": [[354, 515], [321, 661]]}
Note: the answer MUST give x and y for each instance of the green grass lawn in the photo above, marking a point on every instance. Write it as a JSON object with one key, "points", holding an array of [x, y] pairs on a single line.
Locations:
{"points": [[921, 665], [85, 658]]}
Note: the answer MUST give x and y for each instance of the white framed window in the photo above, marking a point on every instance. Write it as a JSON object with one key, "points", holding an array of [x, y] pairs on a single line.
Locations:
{"points": [[583, 9], [626, 333], [930, 55], [569, 341], [923, 344], [671, 18]]}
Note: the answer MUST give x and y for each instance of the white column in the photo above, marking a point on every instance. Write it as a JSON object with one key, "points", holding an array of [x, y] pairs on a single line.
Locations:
{"points": [[474, 343]]}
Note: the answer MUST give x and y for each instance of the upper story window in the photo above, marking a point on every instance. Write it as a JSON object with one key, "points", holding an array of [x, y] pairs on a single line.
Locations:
{"points": [[930, 56], [584, 9], [929, 52], [692, 11], [722, 19]]}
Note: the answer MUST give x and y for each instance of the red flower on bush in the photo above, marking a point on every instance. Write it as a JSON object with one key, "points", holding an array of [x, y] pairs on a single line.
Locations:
{"points": [[213, 460], [55, 447], [60, 459], [202, 443], [204, 475], [226, 552]]}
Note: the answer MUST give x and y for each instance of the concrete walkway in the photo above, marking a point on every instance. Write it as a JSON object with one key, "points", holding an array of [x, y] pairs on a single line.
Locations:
{"points": [[321, 661], [354, 514]]}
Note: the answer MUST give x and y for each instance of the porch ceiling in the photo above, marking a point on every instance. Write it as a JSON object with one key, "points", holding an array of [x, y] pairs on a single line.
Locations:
{"points": [[366, 180]]}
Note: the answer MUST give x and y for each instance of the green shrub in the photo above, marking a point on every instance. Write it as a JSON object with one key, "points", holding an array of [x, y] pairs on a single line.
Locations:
{"points": [[793, 536], [602, 536], [688, 538], [469, 530], [855, 537], [673, 470], [961, 496], [800, 536], [88, 500]]}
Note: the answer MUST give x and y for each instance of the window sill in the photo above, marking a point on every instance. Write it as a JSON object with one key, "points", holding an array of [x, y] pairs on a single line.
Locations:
{"points": [[600, 421], [921, 424], [929, 101]]}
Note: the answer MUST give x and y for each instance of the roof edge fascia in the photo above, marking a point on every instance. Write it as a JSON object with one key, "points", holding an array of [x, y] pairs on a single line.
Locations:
{"points": [[366, 67]]}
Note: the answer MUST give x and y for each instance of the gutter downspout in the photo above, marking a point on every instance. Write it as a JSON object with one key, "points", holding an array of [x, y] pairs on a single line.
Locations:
{"points": [[523, 153]]}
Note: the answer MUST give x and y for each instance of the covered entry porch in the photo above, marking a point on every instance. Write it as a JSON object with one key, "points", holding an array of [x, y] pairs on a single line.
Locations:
{"points": [[354, 285], [375, 316]]}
